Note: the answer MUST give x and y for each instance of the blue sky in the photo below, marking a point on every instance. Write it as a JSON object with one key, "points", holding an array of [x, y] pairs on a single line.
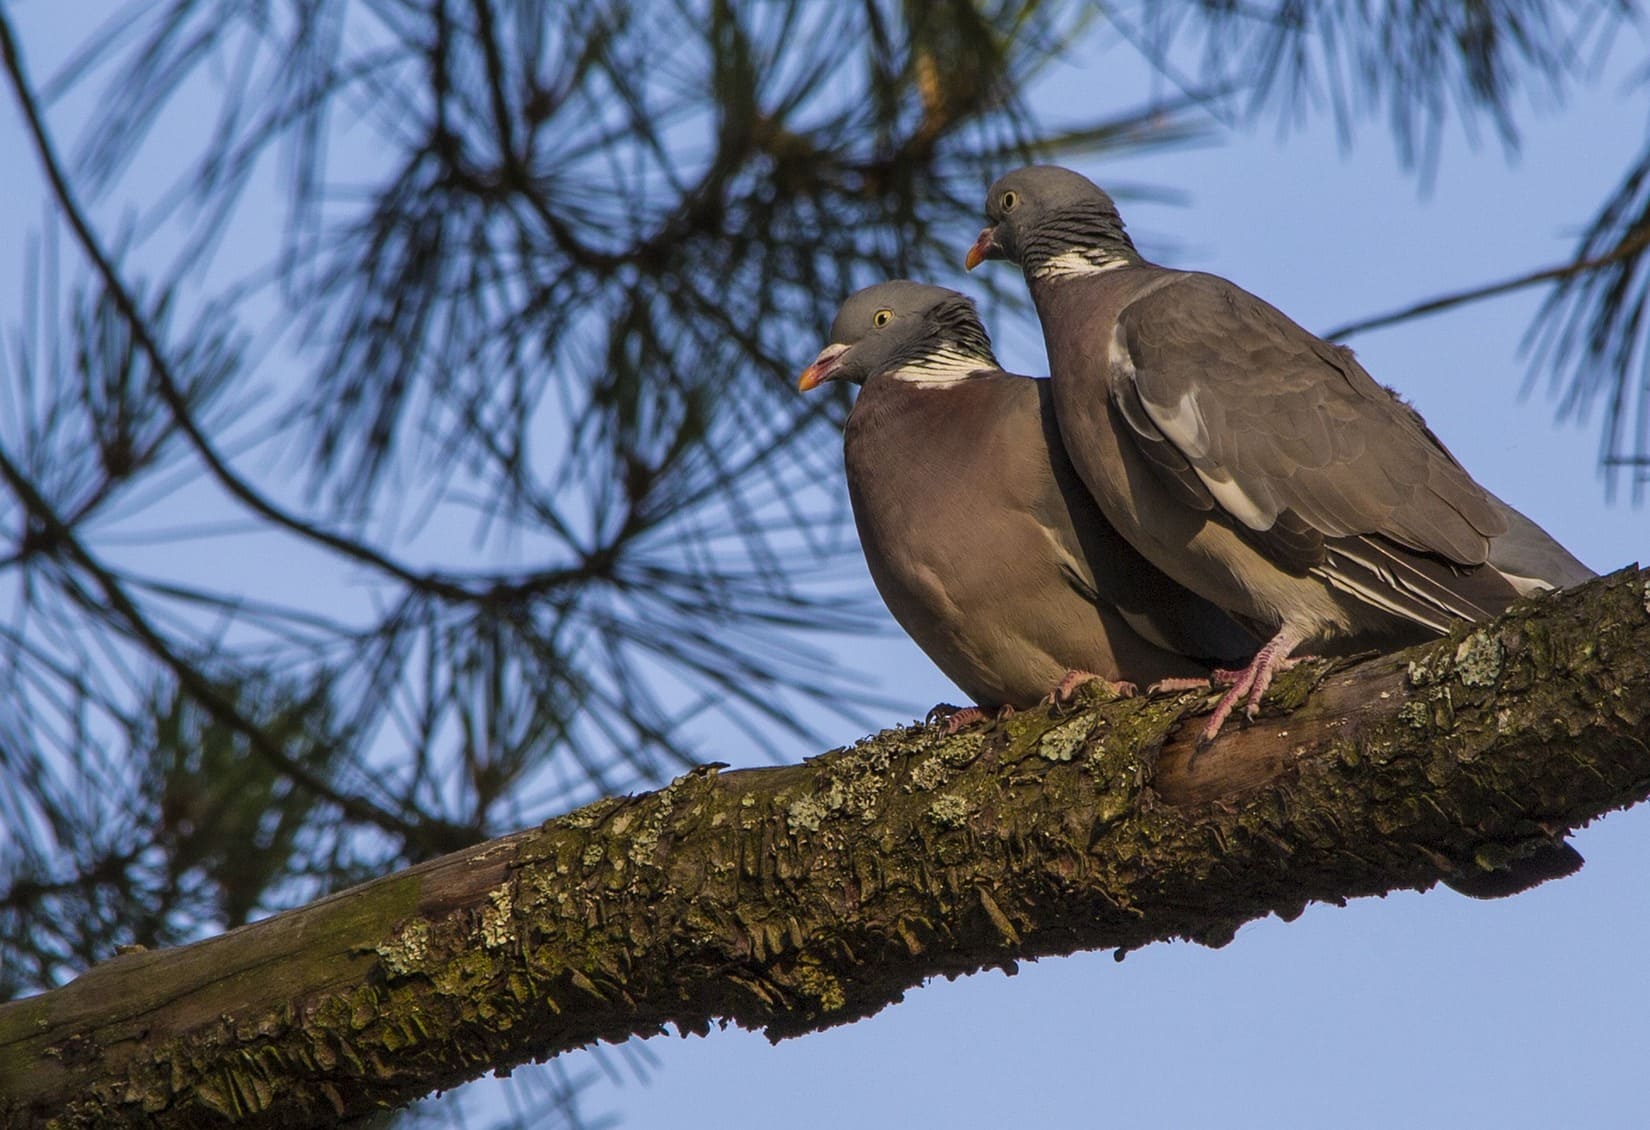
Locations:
{"points": [[1414, 1010]]}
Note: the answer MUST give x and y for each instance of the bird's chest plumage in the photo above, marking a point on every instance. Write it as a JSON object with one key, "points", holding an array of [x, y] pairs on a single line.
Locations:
{"points": [[1089, 366], [952, 493], [916, 463]]}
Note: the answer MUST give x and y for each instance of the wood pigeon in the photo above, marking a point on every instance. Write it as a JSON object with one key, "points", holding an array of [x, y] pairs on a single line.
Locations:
{"points": [[979, 535], [1254, 463]]}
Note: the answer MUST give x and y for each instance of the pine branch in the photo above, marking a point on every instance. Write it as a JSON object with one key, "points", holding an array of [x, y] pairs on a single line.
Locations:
{"points": [[793, 899], [416, 834], [166, 383], [1630, 246]]}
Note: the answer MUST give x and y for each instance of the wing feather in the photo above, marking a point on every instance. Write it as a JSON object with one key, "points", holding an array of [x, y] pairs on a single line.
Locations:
{"points": [[1285, 432]]}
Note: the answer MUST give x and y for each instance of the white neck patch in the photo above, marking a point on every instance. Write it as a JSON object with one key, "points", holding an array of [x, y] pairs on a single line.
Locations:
{"points": [[1077, 263], [937, 370]]}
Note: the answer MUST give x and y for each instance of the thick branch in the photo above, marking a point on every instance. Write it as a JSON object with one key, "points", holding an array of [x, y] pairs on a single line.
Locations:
{"points": [[796, 898]]}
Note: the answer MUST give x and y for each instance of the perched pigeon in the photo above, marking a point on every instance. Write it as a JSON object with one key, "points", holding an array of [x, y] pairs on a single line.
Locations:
{"points": [[980, 537], [1257, 465]]}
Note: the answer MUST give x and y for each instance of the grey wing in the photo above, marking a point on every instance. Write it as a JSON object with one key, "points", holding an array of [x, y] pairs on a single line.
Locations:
{"points": [[1300, 447], [1530, 558], [1270, 421]]}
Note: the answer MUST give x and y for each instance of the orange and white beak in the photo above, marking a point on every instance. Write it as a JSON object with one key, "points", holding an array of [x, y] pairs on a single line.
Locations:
{"points": [[823, 368], [985, 247]]}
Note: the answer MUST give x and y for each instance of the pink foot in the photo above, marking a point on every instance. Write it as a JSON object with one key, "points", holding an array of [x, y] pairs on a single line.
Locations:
{"points": [[1225, 677], [1174, 686], [1250, 684], [1066, 687], [969, 715]]}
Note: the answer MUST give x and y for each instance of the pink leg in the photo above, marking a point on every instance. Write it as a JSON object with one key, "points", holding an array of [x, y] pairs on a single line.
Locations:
{"points": [[1066, 687], [1174, 686], [1251, 682], [969, 715], [1225, 677]]}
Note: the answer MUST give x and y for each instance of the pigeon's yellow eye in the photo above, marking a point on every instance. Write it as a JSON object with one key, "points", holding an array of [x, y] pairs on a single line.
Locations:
{"points": [[1010, 199], [882, 318]]}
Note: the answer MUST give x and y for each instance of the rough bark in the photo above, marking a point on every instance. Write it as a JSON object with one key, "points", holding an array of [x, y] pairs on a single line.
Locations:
{"points": [[795, 898]]}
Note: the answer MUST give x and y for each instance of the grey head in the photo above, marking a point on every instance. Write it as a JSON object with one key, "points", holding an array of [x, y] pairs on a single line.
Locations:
{"points": [[902, 326], [1043, 217]]}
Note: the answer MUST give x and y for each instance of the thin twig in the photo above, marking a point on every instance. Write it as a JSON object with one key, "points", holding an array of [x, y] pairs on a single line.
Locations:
{"points": [[207, 693], [1634, 243], [165, 380]]}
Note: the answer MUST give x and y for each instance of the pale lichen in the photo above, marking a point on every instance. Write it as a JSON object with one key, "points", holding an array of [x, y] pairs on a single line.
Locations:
{"points": [[589, 816], [496, 925], [961, 749], [950, 811], [806, 813], [1478, 660], [1415, 715], [928, 774], [645, 841], [1064, 741], [863, 795], [406, 952]]}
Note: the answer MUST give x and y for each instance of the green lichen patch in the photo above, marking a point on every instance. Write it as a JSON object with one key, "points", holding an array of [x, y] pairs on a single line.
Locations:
{"points": [[408, 950], [950, 811], [1478, 659], [589, 816], [808, 811], [496, 918], [1290, 690], [864, 794], [1064, 741], [1123, 750], [822, 987], [928, 774], [1415, 714], [961, 750]]}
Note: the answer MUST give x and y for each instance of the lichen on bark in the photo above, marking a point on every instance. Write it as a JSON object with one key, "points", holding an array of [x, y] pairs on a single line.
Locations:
{"points": [[798, 897]]}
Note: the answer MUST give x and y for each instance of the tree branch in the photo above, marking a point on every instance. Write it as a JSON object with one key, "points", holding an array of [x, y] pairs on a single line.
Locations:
{"points": [[170, 388], [800, 897], [414, 833], [1631, 245]]}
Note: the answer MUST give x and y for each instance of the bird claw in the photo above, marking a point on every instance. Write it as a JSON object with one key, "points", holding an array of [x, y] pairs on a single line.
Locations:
{"points": [[941, 712], [1067, 687], [1248, 685], [959, 718], [1177, 685]]}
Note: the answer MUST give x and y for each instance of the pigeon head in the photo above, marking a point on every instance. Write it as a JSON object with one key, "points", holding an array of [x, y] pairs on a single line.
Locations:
{"points": [[1051, 220], [919, 332]]}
